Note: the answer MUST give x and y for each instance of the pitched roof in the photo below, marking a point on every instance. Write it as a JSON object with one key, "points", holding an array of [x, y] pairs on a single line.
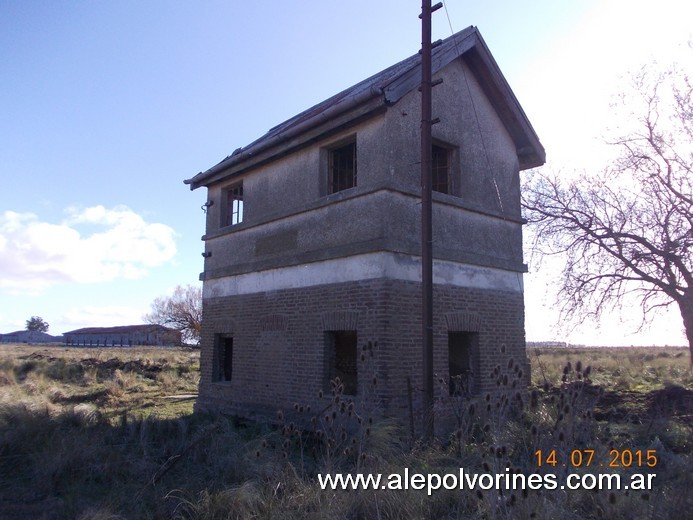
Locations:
{"points": [[125, 329], [382, 90], [33, 336]]}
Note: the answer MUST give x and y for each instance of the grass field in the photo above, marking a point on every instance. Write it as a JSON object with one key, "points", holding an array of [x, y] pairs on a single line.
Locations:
{"points": [[109, 433]]}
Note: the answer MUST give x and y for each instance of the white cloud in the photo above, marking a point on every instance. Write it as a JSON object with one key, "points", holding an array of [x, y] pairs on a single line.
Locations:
{"points": [[91, 245]]}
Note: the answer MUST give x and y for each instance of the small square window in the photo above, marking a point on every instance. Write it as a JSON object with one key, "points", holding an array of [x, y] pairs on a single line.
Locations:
{"points": [[233, 210], [341, 359], [440, 170], [342, 168]]}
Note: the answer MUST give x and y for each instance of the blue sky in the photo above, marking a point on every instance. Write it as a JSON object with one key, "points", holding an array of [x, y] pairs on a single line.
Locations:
{"points": [[107, 106]]}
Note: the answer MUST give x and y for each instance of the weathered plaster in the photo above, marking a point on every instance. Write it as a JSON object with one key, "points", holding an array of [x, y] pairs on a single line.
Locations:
{"points": [[362, 267]]}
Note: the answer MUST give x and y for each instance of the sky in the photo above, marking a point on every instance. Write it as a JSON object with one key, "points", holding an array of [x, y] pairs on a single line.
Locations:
{"points": [[105, 107]]}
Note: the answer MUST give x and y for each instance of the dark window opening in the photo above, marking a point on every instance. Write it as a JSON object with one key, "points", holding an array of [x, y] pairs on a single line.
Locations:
{"points": [[342, 168], [234, 206], [225, 358], [460, 347], [439, 170], [341, 357]]}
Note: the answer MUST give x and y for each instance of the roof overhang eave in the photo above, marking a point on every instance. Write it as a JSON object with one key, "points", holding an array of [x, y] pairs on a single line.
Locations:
{"points": [[267, 143], [468, 45], [530, 151]]}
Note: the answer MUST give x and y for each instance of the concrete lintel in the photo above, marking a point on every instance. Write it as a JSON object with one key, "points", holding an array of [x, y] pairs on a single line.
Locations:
{"points": [[363, 267]]}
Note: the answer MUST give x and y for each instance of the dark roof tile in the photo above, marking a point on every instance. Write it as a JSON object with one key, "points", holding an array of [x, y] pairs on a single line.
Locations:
{"points": [[391, 85]]}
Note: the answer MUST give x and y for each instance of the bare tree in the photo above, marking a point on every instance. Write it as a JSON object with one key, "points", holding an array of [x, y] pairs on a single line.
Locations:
{"points": [[181, 311], [628, 230], [37, 323]]}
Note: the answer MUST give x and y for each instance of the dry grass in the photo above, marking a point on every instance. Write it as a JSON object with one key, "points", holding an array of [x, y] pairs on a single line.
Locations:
{"points": [[117, 380], [85, 434], [639, 369]]}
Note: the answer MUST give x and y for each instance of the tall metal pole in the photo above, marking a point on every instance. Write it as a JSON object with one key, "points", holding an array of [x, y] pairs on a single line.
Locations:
{"points": [[426, 218]]}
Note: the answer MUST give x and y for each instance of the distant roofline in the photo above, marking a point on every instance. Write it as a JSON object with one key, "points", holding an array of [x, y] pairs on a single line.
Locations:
{"points": [[123, 329], [32, 332]]}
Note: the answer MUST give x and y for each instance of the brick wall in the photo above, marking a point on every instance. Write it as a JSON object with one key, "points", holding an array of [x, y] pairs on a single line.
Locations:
{"points": [[279, 344]]}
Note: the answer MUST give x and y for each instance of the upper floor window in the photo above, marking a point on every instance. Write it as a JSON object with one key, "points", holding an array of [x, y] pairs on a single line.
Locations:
{"points": [[342, 168], [440, 170], [233, 211]]}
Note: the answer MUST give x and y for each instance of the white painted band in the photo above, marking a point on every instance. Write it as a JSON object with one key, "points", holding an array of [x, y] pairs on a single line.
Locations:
{"points": [[363, 267]]}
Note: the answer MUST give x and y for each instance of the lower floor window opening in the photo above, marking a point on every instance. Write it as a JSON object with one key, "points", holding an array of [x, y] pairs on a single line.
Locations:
{"points": [[341, 359], [461, 346], [225, 358]]}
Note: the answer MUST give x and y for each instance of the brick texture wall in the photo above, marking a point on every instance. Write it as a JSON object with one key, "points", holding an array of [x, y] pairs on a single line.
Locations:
{"points": [[279, 344]]}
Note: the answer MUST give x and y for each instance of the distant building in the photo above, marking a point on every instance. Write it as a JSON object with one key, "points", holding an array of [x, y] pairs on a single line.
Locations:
{"points": [[312, 244], [29, 336], [547, 344], [125, 336]]}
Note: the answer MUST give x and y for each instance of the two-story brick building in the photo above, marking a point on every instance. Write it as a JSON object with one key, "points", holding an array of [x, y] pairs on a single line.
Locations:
{"points": [[312, 247]]}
